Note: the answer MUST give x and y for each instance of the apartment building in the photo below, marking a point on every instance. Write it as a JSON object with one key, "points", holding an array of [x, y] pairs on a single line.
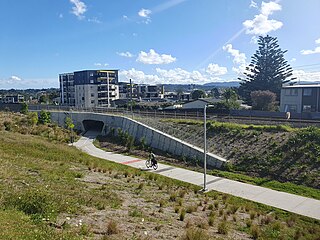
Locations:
{"points": [[89, 88], [300, 98], [67, 92], [13, 99], [150, 92]]}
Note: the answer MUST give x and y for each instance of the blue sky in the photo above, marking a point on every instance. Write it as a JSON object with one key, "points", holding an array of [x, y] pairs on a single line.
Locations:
{"points": [[151, 41]]}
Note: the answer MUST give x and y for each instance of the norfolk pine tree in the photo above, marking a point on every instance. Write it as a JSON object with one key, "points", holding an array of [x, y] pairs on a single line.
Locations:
{"points": [[268, 69]]}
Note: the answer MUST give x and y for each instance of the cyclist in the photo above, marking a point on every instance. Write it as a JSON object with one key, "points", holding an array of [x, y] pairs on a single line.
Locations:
{"points": [[152, 157]]}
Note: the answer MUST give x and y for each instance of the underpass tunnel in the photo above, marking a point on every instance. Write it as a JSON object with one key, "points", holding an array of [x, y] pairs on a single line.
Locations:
{"points": [[93, 125]]}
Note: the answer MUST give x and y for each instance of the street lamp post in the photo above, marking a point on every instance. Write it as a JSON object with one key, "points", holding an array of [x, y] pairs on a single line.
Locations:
{"points": [[205, 149]]}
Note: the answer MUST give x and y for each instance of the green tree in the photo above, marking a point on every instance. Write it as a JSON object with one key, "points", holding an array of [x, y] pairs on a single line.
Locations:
{"points": [[32, 118], [43, 99], [263, 100], [70, 126], [215, 92], [229, 101], [268, 69], [199, 93], [24, 108], [229, 95], [45, 117]]}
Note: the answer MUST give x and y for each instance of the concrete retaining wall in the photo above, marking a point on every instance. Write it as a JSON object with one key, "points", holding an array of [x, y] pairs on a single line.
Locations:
{"points": [[154, 138]]}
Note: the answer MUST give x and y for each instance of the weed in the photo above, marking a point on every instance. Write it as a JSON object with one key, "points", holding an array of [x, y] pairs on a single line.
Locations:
{"points": [[176, 209], [112, 228], [182, 214], [141, 186], [162, 203], [255, 231], [173, 197], [195, 234], [223, 227], [192, 208], [211, 221], [135, 213]]}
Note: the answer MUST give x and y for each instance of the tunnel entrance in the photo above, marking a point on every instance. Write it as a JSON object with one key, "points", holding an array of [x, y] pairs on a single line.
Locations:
{"points": [[92, 125]]}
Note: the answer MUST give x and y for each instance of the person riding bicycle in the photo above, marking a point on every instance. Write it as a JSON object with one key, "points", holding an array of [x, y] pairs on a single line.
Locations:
{"points": [[152, 157]]}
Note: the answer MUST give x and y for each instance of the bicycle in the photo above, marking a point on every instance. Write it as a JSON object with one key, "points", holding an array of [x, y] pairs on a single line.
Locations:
{"points": [[150, 164]]}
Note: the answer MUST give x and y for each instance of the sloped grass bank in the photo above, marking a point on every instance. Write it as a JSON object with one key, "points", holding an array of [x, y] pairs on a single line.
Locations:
{"points": [[271, 152], [44, 182]]}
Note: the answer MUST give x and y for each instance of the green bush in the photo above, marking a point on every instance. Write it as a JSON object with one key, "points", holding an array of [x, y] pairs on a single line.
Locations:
{"points": [[45, 117], [223, 227], [195, 234]]}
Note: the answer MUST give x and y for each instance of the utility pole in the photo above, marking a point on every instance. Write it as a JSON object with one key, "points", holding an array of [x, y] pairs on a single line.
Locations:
{"points": [[131, 93], [108, 89]]}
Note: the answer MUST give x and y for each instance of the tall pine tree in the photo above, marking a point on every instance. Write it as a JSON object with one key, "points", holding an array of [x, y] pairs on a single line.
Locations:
{"points": [[268, 69]]}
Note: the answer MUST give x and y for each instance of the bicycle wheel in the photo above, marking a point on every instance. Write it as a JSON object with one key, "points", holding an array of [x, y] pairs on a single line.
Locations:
{"points": [[155, 166], [148, 163]]}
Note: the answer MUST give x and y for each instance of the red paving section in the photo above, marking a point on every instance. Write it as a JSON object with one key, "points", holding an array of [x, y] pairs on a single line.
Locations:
{"points": [[132, 161]]}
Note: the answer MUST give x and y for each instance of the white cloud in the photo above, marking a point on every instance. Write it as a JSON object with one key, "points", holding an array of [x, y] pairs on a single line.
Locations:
{"points": [[125, 54], [261, 24], [79, 8], [138, 77], [253, 4], [100, 64], [293, 60], [145, 13], [154, 58], [216, 70], [125, 17], [15, 78], [170, 76], [302, 75], [308, 52], [94, 20], [316, 50], [238, 59]]}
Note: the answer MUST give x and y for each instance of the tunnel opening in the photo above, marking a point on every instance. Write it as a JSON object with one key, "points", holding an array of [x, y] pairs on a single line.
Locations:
{"points": [[92, 125]]}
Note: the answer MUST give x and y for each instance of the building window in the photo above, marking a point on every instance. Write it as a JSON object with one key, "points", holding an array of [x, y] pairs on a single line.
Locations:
{"points": [[306, 108], [92, 101], [290, 108], [307, 92], [291, 91], [92, 94]]}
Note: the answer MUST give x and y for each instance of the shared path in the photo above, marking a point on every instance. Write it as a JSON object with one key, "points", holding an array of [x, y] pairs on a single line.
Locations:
{"points": [[293, 203]]}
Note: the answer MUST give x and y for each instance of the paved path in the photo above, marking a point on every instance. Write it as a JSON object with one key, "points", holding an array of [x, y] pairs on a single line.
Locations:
{"points": [[286, 201]]}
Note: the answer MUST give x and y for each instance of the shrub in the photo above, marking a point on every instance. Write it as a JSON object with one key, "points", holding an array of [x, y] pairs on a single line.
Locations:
{"points": [[195, 234], [211, 220], [182, 214], [255, 231], [223, 227], [112, 228], [135, 213], [192, 208], [45, 117], [173, 197], [7, 125]]}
